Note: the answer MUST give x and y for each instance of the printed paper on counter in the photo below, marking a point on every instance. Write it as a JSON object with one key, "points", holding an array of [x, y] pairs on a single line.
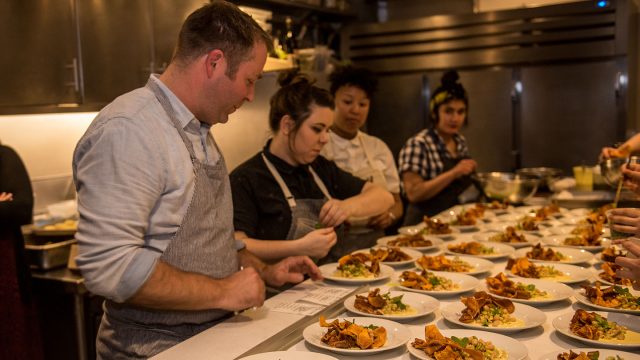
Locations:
{"points": [[299, 308], [326, 295]]}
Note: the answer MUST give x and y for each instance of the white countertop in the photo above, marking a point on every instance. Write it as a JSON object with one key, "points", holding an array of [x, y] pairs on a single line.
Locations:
{"points": [[238, 335]]}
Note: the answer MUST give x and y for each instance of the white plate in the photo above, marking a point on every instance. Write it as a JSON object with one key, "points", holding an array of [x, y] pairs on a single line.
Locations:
{"points": [[574, 273], [465, 283], [329, 270], [532, 317], [514, 348], [573, 256], [558, 291], [289, 355], [604, 353], [561, 324], [581, 297], [478, 265], [397, 335], [414, 229], [558, 240], [423, 304], [570, 220], [529, 236], [500, 250], [384, 241]]}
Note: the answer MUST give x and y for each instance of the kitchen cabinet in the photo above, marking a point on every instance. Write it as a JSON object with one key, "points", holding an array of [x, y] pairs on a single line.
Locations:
{"points": [[40, 61], [115, 47]]}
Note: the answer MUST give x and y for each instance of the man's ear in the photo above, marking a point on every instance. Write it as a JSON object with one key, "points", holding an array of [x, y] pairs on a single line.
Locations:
{"points": [[214, 61]]}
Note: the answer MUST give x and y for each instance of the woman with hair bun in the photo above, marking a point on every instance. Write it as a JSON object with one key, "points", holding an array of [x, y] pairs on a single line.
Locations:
{"points": [[434, 164], [288, 200]]}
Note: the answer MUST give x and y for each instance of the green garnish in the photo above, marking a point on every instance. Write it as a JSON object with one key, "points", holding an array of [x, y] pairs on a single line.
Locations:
{"points": [[398, 301], [462, 342], [318, 226], [434, 281]]}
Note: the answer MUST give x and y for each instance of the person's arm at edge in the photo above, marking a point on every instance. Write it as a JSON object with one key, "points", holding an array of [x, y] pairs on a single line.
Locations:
{"points": [[418, 189], [170, 288], [289, 270], [372, 200]]}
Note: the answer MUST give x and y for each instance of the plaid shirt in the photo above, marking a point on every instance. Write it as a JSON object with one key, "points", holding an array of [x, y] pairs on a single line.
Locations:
{"points": [[424, 152]]}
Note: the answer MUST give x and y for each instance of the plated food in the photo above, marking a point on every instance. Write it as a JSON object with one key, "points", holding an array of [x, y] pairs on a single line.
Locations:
{"points": [[393, 256], [416, 241], [598, 328], [567, 274], [437, 283], [289, 355], [609, 275], [529, 291], [480, 249], [488, 345], [589, 354], [356, 335], [609, 254], [483, 311], [610, 298], [461, 264], [566, 255], [510, 236], [568, 240], [393, 305], [358, 273]]}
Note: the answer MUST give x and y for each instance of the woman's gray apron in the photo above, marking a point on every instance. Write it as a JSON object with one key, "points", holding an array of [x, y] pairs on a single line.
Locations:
{"points": [[305, 212], [358, 235], [203, 244], [445, 199]]}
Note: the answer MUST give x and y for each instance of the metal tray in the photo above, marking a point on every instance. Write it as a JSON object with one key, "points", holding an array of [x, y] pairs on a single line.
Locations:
{"points": [[49, 256]]}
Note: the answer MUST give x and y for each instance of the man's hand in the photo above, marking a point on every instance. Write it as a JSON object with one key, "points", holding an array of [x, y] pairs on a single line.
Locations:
{"points": [[625, 220], [243, 289], [465, 167], [290, 270]]}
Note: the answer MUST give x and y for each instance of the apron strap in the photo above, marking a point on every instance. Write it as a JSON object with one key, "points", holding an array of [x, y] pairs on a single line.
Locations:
{"points": [[285, 189], [364, 149], [166, 105], [319, 182]]}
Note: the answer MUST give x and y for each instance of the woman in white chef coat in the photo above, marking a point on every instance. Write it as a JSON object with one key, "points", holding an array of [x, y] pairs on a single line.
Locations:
{"points": [[363, 155], [287, 199]]}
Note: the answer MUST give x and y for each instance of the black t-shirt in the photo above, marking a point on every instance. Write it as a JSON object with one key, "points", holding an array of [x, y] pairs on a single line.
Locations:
{"points": [[259, 207]]}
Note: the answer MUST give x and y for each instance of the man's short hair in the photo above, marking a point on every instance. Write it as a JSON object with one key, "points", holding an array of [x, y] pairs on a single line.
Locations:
{"points": [[219, 25]]}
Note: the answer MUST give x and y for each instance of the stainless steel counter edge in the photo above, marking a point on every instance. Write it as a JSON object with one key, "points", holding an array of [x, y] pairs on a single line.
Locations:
{"points": [[268, 330]]}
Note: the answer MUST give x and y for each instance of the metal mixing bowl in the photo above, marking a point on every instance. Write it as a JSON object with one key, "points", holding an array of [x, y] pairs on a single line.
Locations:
{"points": [[507, 186], [546, 174], [610, 168]]}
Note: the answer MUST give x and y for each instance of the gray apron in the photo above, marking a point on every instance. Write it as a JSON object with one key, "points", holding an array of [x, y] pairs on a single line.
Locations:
{"points": [[305, 212], [203, 244], [446, 198]]}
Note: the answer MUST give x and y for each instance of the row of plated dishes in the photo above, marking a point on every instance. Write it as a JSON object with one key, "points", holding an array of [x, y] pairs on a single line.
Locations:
{"points": [[536, 274]]}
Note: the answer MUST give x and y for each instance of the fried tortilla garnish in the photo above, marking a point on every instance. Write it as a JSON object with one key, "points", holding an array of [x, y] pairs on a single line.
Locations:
{"points": [[416, 240], [389, 254], [475, 303], [609, 274], [347, 335], [539, 253], [435, 226], [441, 263]]}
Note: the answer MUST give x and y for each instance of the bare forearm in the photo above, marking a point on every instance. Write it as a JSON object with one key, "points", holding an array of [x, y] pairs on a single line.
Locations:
{"points": [[418, 191], [169, 288], [373, 200], [269, 250], [397, 209]]}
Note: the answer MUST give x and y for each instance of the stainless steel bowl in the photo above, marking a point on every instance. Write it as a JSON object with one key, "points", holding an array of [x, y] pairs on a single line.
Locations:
{"points": [[546, 174], [610, 169], [507, 186]]}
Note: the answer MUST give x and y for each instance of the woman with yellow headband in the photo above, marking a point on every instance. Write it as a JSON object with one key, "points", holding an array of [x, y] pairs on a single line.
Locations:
{"points": [[434, 164]]}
